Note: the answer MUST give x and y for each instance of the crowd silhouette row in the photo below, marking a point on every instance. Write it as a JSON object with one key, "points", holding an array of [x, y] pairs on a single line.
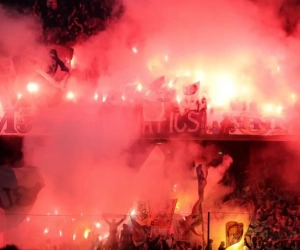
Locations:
{"points": [[67, 21]]}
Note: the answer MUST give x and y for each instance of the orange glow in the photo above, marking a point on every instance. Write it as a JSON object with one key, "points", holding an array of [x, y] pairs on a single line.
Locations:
{"points": [[86, 233]]}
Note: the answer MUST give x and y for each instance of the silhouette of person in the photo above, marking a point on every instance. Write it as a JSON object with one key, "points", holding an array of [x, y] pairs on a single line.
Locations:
{"points": [[113, 230]]}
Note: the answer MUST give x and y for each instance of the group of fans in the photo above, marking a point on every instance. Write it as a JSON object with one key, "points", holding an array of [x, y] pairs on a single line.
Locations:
{"points": [[67, 21]]}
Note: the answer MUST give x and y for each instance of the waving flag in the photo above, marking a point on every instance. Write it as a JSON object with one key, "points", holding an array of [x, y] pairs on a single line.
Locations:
{"points": [[156, 85], [234, 232], [19, 188], [191, 89], [139, 233]]}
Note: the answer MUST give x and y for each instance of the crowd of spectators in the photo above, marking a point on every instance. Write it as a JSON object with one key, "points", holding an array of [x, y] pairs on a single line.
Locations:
{"points": [[66, 21]]}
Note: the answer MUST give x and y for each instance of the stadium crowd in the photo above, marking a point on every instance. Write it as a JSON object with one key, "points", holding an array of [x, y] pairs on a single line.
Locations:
{"points": [[65, 21]]}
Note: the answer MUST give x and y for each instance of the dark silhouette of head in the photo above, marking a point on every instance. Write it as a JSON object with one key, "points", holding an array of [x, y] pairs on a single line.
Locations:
{"points": [[10, 247]]}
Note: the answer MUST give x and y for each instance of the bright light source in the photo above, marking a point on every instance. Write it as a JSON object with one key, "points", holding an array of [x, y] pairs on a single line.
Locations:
{"points": [[32, 87], [132, 213], [70, 95], [188, 74], [139, 87], [123, 97], [170, 85], [46, 231], [86, 233], [19, 95], [134, 50], [60, 233], [96, 96], [74, 236], [178, 99], [279, 109], [104, 97], [73, 62], [98, 225]]}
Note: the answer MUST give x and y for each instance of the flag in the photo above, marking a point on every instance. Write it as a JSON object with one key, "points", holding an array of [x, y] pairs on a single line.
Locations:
{"points": [[186, 226], [19, 188], [154, 109], [202, 172], [157, 214], [139, 233], [191, 89], [162, 215], [234, 232], [156, 85]]}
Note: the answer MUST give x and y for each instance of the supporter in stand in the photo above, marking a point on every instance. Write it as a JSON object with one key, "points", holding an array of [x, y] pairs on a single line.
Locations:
{"points": [[10, 247], [113, 230], [125, 237]]}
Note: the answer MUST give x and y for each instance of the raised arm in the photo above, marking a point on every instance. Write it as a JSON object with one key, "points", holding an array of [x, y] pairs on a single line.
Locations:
{"points": [[106, 220], [121, 221]]}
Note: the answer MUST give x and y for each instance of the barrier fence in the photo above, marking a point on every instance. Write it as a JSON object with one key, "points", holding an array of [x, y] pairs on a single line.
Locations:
{"points": [[81, 231]]}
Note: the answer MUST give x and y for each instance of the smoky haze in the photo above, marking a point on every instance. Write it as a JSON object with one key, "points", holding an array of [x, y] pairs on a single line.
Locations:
{"points": [[235, 45]]}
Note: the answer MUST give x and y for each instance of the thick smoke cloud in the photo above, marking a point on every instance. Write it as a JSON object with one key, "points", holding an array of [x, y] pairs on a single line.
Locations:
{"points": [[226, 44]]}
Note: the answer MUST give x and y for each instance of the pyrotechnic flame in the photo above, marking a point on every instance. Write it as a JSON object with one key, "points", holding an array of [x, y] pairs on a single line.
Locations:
{"points": [[32, 87], [86, 233], [70, 95], [73, 62], [139, 87], [134, 50]]}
